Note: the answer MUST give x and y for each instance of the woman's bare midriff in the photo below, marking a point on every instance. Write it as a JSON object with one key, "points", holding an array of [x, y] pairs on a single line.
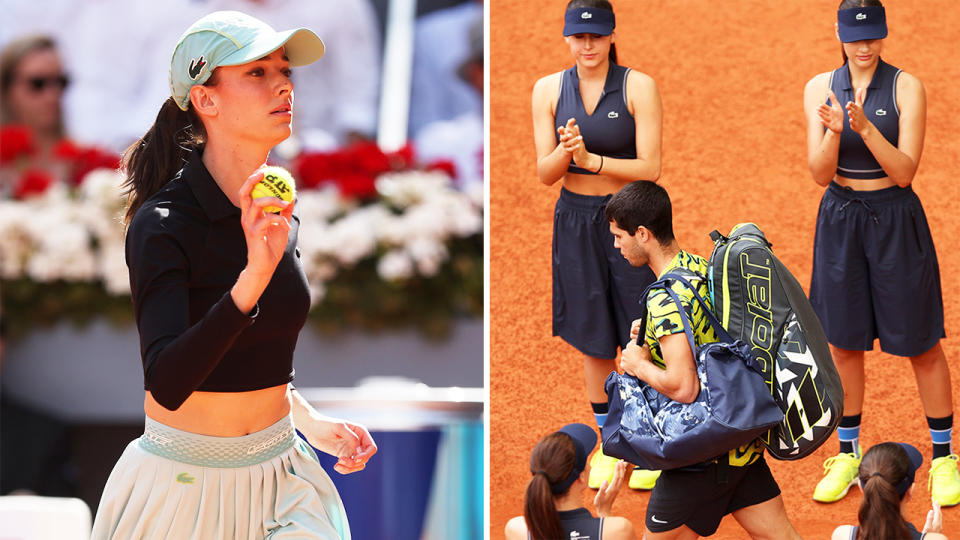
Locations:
{"points": [[592, 184], [224, 414], [858, 184]]}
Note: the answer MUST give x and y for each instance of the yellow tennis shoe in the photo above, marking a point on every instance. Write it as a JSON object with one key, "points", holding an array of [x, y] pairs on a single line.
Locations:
{"points": [[643, 478], [601, 468], [944, 483], [841, 473]]}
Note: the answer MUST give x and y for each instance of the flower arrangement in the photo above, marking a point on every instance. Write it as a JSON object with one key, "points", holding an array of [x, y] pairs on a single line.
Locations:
{"points": [[24, 173], [384, 244]]}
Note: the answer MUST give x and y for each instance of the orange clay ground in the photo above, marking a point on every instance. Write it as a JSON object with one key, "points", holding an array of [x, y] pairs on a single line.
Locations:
{"points": [[731, 75]]}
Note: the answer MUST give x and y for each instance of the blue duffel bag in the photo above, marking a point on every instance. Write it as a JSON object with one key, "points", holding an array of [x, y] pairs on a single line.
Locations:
{"points": [[734, 405]]}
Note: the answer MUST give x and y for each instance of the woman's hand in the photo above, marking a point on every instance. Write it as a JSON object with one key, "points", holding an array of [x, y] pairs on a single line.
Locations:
{"points": [[350, 443], [609, 490], [831, 116], [569, 140], [576, 148], [934, 522], [858, 120], [266, 234]]}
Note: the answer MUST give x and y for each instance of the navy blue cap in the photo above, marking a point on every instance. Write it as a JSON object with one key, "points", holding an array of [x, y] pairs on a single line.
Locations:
{"points": [[916, 459], [589, 20], [584, 439], [858, 24]]}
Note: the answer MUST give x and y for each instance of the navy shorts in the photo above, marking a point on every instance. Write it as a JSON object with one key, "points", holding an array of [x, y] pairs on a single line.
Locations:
{"points": [[596, 293], [697, 499], [875, 272]]}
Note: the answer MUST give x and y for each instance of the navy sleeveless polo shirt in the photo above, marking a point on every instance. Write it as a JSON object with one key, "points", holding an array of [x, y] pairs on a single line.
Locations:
{"points": [[880, 108], [580, 524], [610, 131]]}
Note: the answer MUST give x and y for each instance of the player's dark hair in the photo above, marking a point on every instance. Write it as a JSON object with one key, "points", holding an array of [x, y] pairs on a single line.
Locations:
{"points": [[601, 4], [847, 4], [156, 157], [882, 468], [642, 203], [552, 460], [10, 59]]}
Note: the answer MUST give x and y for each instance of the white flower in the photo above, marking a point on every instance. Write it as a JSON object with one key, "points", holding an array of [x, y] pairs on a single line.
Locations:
{"points": [[16, 240], [318, 205], [103, 187], [406, 188], [428, 254], [353, 237], [475, 192], [63, 252], [395, 265], [113, 269]]}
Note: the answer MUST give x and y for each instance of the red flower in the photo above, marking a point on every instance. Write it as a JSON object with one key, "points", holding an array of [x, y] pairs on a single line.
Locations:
{"points": [[64, 149], [33, 182], [352, 169], [366, 157], [403, 158], [444, 165], [89, 159], [15, 141], [356, 185]]}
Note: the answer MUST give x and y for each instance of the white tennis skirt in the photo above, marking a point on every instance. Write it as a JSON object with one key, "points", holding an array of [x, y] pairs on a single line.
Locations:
{"points": [[172, 484]]}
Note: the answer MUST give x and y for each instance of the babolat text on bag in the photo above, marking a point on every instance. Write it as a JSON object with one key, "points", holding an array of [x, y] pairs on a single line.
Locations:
{"points": [[760, 302]]}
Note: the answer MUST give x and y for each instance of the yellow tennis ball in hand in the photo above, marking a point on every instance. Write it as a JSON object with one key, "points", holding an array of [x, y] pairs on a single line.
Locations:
{"points": [[276, 182]]}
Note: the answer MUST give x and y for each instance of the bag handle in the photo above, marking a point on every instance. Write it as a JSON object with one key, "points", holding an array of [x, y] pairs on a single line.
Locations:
{"points": [[711, 318], [664, 282], [687, 324]]}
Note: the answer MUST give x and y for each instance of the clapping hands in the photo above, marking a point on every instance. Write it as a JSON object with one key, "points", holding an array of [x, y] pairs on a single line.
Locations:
{"points": [[572, 142], [831, 115]]}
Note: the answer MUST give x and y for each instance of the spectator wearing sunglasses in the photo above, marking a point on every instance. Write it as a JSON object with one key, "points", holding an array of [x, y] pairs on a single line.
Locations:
{"points": [[32, 81]]}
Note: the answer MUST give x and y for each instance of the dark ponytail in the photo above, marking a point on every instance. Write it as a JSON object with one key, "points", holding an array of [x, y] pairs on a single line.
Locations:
{"points": [[156, 157], [601, 4], [847, 4], [552, 460], [882, 468]]}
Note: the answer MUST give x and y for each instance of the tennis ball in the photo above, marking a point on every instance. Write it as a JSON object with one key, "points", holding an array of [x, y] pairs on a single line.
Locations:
{"points": [[276, 182]]}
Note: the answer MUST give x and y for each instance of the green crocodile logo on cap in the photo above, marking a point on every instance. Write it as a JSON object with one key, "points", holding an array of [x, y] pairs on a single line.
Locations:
{"points": [[196, 66]]}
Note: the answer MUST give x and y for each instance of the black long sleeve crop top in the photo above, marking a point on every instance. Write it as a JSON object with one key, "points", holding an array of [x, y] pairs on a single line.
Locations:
{"points": [[185, 249]]}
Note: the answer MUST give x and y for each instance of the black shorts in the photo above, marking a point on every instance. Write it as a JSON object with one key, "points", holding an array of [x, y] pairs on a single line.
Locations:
{"points": [[875, 272], [695, 498], [596, 293]]}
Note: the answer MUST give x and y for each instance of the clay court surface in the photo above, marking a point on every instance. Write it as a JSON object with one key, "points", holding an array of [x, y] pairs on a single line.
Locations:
{"points": [[731, 75]]}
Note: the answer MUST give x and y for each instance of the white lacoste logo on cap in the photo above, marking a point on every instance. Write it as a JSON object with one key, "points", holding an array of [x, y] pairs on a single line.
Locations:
{"points": [[881, 112], [861, 16], [586, 15], [613, 114]]}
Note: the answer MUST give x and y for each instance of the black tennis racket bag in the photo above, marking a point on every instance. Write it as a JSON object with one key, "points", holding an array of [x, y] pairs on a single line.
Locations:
{"points": [[759, 302]]}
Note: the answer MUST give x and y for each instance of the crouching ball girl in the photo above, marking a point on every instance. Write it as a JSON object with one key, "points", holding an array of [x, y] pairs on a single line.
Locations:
{"points": [[219, 296]]}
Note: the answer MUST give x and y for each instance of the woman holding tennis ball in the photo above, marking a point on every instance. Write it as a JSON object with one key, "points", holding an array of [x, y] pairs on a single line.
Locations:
{"points": [[219, 297]]}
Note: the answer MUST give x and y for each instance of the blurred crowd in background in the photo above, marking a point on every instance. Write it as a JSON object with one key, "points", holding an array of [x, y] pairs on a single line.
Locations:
{"points": [[95, 72]]}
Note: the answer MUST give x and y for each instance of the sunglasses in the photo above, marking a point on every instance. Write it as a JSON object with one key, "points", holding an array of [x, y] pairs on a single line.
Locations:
{"points": [[39, 84]]}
